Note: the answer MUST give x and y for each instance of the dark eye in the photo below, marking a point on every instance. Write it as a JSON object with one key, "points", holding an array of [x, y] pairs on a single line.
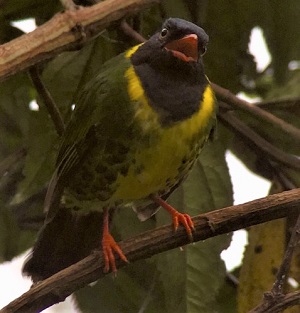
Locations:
{"points": [[203, 49], [164, 32]]}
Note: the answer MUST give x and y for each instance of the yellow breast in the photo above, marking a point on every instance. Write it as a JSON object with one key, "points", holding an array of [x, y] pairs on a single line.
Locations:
{"points": [[171, 150]]}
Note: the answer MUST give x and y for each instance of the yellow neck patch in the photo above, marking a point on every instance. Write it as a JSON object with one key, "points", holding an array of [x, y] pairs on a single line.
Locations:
{"points": [[132, 50], [143, 111], [147, 114]]}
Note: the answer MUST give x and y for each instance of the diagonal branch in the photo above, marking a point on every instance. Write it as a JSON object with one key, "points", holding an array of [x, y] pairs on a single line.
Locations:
{"points": [[48, 100], [283, 302], [65, 31], [57, 287], [255, 140], [228, 97], [129, 31], [275, 300], [69, 4], [286, 104], [283, 271]]}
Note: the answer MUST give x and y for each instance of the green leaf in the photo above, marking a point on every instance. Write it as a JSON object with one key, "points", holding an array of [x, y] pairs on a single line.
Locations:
{"points": [[40, 158], [229, 23], [176, 9], [67, 74], [279, 20], [13, 240], [227, 298], [135, 287], [14, 113], [262, 259]]}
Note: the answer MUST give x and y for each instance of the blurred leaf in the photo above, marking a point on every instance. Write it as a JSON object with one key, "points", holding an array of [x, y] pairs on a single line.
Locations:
{"points": [[14, 112], [13, 240], [229, 24], [280, 20], [288, 90], [227, 298], [69, 72], [135, 287], [40, 158], [176, 9], [262, 259]]}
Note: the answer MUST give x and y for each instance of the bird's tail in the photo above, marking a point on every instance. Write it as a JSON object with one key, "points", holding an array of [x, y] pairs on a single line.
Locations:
{"points": [[66, 239]]}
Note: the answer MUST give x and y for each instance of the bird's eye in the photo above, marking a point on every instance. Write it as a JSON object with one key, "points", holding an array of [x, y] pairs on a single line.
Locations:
{"points": [[203, 50], [164, 33]]}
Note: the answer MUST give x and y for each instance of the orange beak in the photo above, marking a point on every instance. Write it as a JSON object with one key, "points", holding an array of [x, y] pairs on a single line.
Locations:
{"points": [[185, 48]]}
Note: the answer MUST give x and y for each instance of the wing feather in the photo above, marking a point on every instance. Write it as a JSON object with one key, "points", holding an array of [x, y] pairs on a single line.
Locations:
{"points": [[102, 99]]}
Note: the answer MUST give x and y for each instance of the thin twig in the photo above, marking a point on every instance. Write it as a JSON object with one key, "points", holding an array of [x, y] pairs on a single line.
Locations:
{"points": [[283, 271], [130, 32], [228, 97], [279, 104], [232, 280], [10, 160], [69, 5], [283, 302], [275, 300], [260, 144], [48, 100], [57, 287], [284, 180]]}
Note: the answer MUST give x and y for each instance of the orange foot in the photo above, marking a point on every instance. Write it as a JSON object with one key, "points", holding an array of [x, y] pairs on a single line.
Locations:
{"points": [[109, 246], [177, 217]]}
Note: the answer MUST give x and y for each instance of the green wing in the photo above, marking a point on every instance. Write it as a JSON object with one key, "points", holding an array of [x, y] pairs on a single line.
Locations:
{"points": [[103, 99]]}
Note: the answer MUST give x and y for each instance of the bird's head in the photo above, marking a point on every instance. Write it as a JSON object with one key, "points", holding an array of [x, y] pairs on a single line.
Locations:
{"points": [[185, 40], [178, 41]]}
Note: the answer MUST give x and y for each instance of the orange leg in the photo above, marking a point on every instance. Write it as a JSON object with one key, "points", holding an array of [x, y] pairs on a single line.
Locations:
{"points": [[178, 218], [109, 246]]}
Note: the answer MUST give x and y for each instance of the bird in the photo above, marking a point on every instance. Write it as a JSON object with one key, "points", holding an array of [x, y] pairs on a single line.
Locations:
{"points": [[136, 131]]}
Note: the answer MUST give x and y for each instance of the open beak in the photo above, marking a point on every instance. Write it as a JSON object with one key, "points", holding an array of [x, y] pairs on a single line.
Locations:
{"points": [[185, 48]]}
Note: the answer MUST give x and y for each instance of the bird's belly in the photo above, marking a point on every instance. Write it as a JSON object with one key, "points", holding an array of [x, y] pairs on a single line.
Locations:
{"points": [[152, 170], [158, 168]]}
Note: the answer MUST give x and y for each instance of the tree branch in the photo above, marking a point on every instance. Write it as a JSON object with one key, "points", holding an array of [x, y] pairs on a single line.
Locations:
{"points": [[129, 31], [48, 100], [286, 104], [281, 303], [275, 300], [228, 97], [68, 4], [65, 31], [260, 144], [283, 271], [57, 287]]}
